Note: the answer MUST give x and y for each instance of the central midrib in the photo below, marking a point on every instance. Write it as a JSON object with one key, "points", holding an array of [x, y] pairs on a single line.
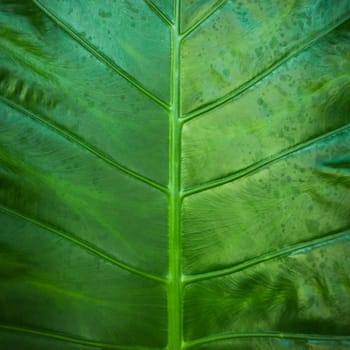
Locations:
{"points": [[175, 339]]}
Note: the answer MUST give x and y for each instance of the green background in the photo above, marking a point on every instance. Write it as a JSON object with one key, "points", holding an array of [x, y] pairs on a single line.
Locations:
{"points": [[174, 174]]}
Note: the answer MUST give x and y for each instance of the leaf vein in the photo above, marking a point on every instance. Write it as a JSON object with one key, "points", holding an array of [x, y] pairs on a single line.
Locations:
{"points": [[258, 78], [71, 137], [99, 55], [339, 235], [67, 338], [80, 243], [299, 336], [206, 16], [262, 163], [158, 12]]}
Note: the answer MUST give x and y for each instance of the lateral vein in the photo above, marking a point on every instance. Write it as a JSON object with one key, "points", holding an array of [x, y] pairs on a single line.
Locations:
{"points": [[339, 235], [71, 137], [206, 16], [258, 78], [299, 336], [158, 12], [68, 338], [261, 164], [80, 243], [99, 55]]}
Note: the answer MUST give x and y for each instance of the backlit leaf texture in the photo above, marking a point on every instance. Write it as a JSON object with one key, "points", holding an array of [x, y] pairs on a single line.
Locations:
{"points": [[174, 174]]}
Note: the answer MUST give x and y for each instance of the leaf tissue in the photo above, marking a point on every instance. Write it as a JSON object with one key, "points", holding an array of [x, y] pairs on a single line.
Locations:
{"points": [[174, 174]]}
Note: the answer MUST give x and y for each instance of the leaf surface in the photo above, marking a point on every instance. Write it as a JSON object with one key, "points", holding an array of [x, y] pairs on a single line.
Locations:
{"points": [[174, 174]]}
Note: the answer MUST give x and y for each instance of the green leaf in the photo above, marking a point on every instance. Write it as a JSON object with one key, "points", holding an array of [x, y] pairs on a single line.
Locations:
{"points": [[174, 174]]}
